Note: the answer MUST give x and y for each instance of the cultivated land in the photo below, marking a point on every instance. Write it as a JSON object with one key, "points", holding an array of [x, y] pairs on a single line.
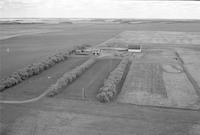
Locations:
{"points": [[160, 94], [156, 83]]}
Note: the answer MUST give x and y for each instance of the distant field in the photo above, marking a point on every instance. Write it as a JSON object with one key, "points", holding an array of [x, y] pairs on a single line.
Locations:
{"points": [[28, 43], [153, 38]]}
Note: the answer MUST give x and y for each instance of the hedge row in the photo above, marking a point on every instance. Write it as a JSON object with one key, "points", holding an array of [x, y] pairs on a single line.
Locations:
{"points": [[110, 89], [35, 68], [69, 77]]}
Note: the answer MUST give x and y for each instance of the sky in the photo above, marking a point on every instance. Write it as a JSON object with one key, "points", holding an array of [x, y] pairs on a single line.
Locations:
{"points": [[100, 9]]}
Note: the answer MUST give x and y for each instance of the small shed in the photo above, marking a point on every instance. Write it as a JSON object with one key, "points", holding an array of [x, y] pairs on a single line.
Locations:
{"points": [[134, 48]]}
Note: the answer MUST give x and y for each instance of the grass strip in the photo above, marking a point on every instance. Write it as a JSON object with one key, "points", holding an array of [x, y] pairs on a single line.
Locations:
{"points": [[36, 68]]}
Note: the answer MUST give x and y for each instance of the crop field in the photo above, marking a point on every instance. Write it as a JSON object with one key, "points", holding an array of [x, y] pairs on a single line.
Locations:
{"points": [[143, 85], [147, 78], [160, 83]]}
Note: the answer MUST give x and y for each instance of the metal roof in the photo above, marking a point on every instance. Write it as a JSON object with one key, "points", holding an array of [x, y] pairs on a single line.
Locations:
{"points": [[134, 47]]}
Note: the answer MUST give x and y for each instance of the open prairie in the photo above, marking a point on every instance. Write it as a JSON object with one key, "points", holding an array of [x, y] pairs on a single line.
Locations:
{"points": [[159, 94]]}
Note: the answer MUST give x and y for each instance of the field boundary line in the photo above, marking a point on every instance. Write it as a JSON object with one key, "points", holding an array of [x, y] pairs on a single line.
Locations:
{"points": [[161, 107]]}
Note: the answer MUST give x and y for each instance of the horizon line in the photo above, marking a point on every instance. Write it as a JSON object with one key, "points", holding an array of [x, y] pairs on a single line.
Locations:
{"points": [[98, 18]]}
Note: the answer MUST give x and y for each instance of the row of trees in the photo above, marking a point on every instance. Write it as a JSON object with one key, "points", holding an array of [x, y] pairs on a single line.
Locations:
{"points": [[69, 77], [35, 68], [110, 89]]}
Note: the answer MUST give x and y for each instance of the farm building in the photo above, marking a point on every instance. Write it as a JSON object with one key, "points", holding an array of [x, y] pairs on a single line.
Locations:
{"points": [[94, 51], [134, 48], [114, 48]]}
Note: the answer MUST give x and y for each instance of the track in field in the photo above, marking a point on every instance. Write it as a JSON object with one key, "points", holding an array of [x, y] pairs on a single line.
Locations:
{"points": [[36, 85], [91, 80]]}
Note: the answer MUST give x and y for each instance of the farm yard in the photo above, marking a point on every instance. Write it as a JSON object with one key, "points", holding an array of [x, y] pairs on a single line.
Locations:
{"points": [[155, 91]]}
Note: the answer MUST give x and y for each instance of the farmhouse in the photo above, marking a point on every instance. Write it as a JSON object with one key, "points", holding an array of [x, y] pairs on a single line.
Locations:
{"points": [[94, 51], [134, 48]]}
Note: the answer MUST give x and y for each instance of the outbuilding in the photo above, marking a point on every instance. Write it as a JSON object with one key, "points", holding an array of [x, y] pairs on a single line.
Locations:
{"points": [[134, 48]]}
